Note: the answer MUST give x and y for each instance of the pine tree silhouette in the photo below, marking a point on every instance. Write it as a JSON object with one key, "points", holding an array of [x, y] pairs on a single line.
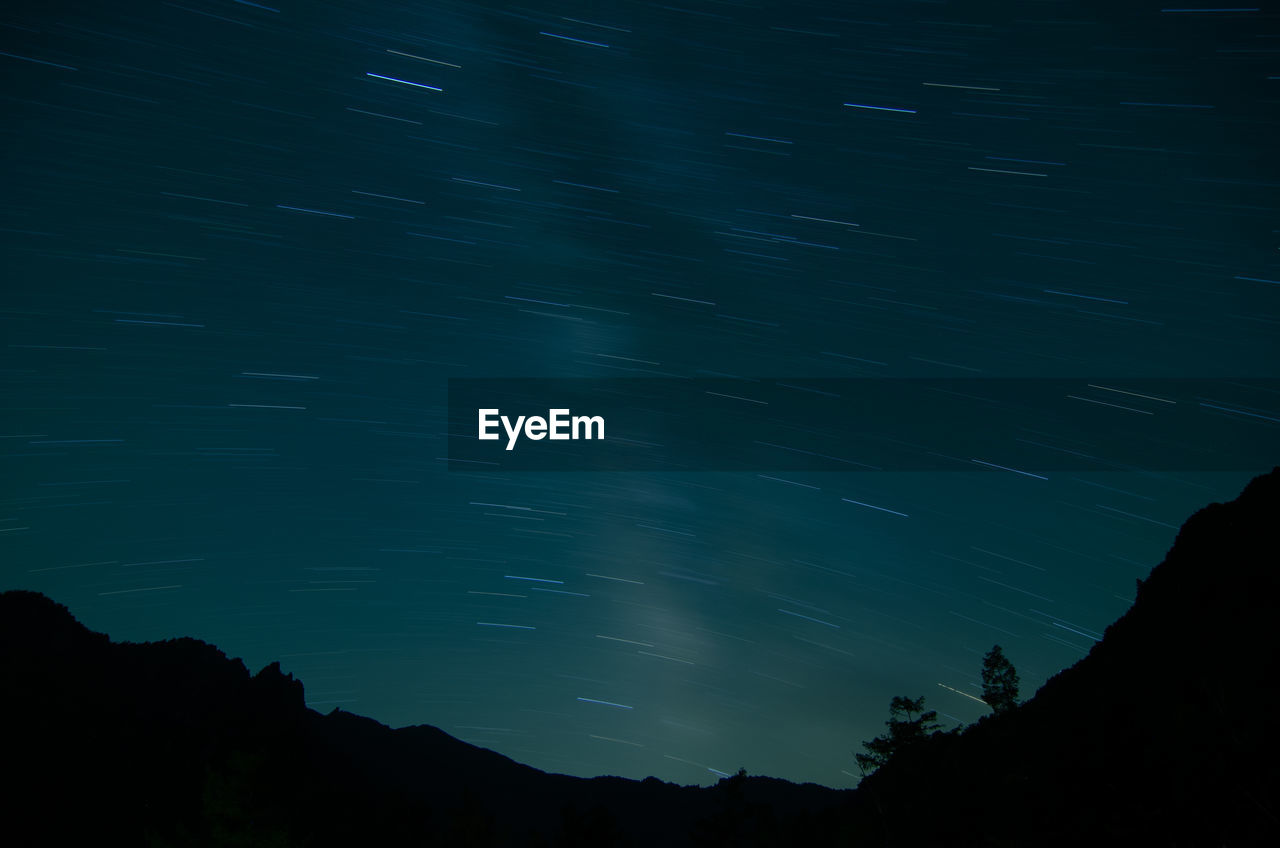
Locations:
{"points": [[999, 681], [908, 724]]}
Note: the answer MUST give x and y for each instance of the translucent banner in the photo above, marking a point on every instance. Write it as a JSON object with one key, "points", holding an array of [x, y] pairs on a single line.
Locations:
{"points": [[1029, 426]]}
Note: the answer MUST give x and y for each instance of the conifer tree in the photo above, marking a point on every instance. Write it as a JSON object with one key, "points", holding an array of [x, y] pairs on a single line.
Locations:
{"points": [[999, 681], [908, 724]]}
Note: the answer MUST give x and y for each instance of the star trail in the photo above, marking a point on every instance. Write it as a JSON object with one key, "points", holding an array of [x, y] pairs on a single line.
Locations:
{"points": [[247, 247]]}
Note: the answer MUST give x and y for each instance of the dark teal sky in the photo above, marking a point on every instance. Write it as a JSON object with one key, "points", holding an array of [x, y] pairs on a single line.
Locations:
{"points": [[246, 245]]}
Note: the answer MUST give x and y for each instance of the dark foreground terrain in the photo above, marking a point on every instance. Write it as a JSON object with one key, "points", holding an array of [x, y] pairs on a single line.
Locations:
{"points": [[1162, 735]]}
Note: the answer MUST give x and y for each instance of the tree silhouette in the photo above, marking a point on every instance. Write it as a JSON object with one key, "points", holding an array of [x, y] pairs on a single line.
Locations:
{"points": [[999, 681], [908, 724]]}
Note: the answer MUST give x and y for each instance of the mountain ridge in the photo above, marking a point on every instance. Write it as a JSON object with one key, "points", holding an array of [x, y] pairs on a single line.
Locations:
{"points": [[1153, 737]]}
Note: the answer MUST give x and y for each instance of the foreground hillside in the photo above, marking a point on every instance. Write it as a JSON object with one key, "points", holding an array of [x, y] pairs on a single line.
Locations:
{"points": [[1159, 736]]}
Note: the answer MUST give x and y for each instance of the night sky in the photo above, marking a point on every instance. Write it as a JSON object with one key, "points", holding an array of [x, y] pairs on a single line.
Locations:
{"points": [[245, 246]]}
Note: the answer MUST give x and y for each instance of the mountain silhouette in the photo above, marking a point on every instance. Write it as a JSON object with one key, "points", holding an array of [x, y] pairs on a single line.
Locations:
{"points": [[1160, 736]]}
